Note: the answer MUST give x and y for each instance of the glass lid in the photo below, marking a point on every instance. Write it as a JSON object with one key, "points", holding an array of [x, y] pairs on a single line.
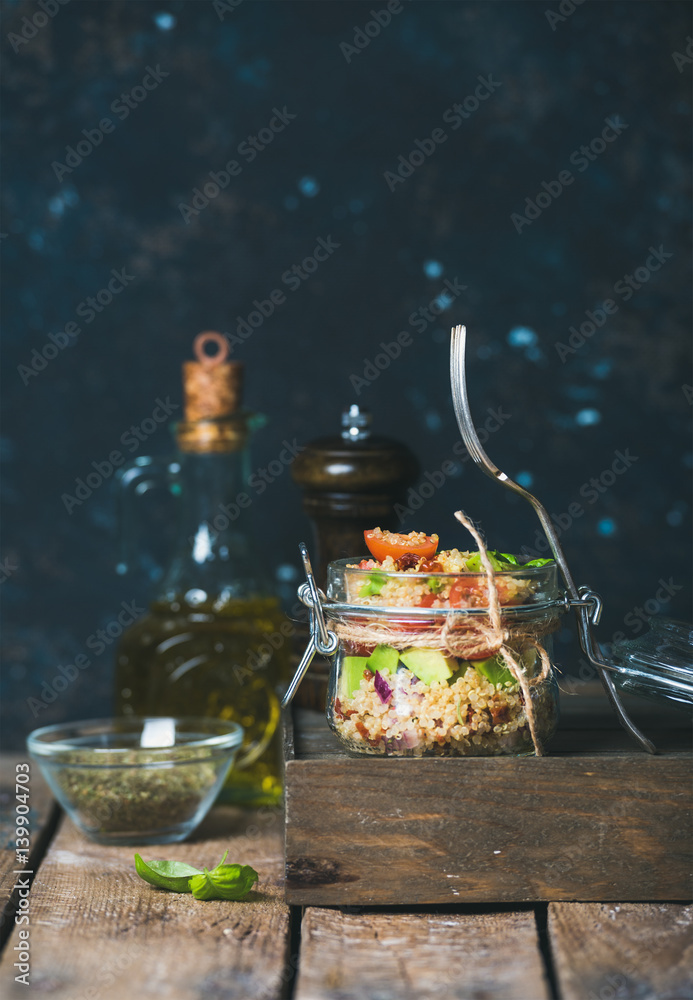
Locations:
{"points": [[658, 664]]}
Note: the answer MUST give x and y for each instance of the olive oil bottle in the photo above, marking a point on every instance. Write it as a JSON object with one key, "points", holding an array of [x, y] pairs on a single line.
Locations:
{"points": [[209, 644]]}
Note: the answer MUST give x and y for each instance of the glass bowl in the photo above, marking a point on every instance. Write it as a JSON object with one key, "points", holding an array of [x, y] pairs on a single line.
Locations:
{"points": [[406, 681], [136, 780]]}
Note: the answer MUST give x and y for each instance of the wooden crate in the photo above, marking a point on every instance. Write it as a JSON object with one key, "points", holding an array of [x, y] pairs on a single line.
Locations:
{"points": [[595, 820]]}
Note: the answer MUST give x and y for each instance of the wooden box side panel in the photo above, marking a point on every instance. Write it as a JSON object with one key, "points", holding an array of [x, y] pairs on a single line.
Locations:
{"points": [[431, 831]]}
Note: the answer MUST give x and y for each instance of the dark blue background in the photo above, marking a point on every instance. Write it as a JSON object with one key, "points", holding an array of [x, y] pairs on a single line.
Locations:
{"points": [[625, 388]]}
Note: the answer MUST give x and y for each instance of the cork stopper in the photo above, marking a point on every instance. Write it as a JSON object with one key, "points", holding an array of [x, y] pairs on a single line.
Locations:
{"points": [[212, 386], [212, 395]]}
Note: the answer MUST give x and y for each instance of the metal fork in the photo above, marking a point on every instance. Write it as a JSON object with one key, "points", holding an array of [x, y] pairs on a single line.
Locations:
{"points": [[584, 601]]}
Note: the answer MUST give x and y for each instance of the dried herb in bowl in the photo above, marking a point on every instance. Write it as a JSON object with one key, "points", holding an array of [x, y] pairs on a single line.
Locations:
{"points": [[136, 781], [145, 795]]}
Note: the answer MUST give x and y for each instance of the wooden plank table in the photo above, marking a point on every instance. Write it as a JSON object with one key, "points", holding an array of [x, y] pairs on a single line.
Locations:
{"points": [[97, 932]]}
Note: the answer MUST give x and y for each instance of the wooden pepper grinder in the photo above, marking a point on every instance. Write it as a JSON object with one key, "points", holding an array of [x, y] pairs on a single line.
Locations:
{"points": [[350, 482]]}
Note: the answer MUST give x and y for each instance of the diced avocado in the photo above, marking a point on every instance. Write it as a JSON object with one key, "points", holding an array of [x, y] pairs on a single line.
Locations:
{"points": [[352, 674], [429, 665], [384, 658], [493, 670], [373, 585]]}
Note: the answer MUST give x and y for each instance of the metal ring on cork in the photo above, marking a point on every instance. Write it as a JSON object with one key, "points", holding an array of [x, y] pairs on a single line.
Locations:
{"points": [[212, 394], [211, 337]]}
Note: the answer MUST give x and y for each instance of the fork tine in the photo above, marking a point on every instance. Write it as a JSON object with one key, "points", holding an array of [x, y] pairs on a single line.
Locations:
{"points": [[458, 381], [460, 399]]}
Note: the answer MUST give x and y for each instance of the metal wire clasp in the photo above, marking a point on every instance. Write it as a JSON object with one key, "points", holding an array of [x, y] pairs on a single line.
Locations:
{"points": [[588, 599], [322, 640]]}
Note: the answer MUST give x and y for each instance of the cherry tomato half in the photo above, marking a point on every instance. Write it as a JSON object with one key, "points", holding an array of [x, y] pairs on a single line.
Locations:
{"points": [[427, 601], [463, 592], [389, 543]]}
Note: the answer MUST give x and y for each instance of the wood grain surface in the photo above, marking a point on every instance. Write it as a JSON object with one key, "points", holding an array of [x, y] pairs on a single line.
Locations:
{"points": [[613, 951], [582, 825], [98, 932], [381, 956], [42, 817]]}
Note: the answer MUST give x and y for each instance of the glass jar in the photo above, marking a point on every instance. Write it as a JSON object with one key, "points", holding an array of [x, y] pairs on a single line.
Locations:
{"points": [[445, 677]]}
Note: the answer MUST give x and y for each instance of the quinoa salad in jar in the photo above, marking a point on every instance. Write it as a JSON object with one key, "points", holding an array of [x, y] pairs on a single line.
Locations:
{"points": [[421, 669]]}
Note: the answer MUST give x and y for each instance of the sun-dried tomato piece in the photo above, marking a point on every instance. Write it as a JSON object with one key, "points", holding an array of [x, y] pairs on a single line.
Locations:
{"points": [[500, 713], [407, 560]]}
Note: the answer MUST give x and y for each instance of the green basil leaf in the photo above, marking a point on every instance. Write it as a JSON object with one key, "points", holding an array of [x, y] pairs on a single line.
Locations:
{"points": [[537, 562], [509, 557], [376, 582], [499, 560], [172, 875], [234, 881], [202, 886], [475, 564], [225, 882]]}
